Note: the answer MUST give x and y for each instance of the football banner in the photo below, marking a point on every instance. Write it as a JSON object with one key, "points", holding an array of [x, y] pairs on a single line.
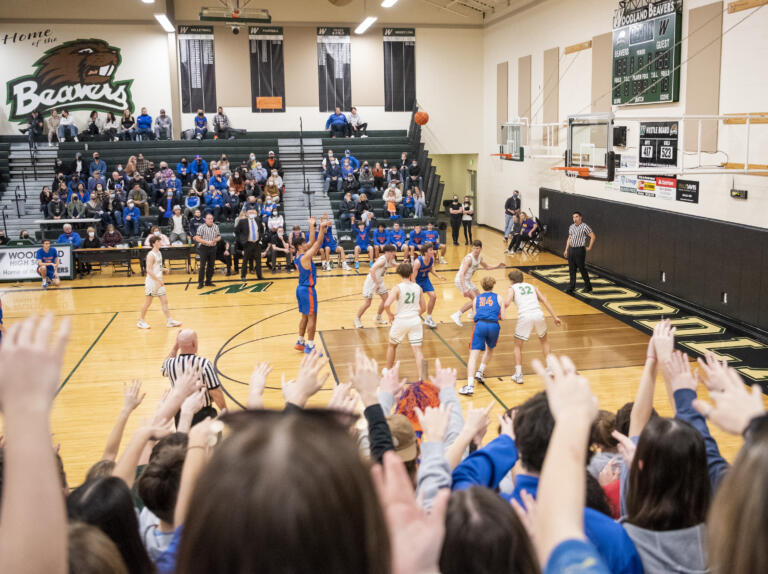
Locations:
{"points": [[267, 69]]}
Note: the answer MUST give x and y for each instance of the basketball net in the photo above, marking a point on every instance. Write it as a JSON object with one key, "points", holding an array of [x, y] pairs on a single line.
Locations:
{"points": [[568, 181]]}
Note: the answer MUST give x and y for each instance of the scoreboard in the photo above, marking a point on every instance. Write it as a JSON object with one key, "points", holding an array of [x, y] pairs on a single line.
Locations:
{"points": [[646, 53]]}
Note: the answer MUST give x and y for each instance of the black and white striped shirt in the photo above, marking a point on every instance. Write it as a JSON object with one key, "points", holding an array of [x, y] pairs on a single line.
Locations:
{"points": [[578, 234], [174, 367], [207, 233]]}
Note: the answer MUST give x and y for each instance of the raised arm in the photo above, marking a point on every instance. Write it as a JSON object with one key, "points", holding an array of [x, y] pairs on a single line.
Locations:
{"points": [[132, 397], [660, 346], [33, 522]]}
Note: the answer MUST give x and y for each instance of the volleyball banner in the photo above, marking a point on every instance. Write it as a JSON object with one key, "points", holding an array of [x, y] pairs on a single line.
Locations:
{"points": [[197, 69], [267, 69], [399, 69], [334, 63]]}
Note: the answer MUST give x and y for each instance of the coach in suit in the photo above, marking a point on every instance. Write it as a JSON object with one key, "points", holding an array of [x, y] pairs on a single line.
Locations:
{"points": [[249, 233]]}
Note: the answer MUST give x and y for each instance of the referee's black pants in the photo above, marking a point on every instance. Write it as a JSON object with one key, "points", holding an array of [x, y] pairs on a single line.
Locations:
{"points": [[252, 251], [199, 416], [207, 263], [577, 257]]}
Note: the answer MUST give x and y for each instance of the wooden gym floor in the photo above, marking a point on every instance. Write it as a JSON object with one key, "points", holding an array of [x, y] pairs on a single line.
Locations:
{"points": [[239, 328]]}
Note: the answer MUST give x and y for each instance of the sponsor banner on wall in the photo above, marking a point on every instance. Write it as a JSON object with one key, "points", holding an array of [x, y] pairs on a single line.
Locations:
{"points": [[267, 69], [646, 185], [334, 63], [658, 144], [626, 183], [688, 191], [76, 75], [197, 69], [19, 263], [399, 69], [666, 187]]}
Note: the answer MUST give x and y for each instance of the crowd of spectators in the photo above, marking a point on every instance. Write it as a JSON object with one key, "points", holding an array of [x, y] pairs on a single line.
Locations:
{"points": [[388, 478], [400, 186], [62, 127]]}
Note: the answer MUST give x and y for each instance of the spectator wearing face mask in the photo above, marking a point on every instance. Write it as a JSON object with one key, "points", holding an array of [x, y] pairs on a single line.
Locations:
{"points": [[214, 203], [355, 124], [231, 204], [201, 125], [351, 185], [221, 128], [112, 237], [139, 198], [113, 204], [191, 202], [198, 166], [96, 179], [156, 232], [249, 232], [91, 241], [199, 184], [273, 163], [327, 159], [163, 126], [379, 176], [56, 207], [332, 176], [353, 161], [366, 179], [75, 207], [165, 204], [131, 218], [179, 226], [219, 182], [271, 190], [144, 126], [393, 176], [97, 165], [414, 175], [347, 169], [337, 123], [260, 175], [183, 170]]}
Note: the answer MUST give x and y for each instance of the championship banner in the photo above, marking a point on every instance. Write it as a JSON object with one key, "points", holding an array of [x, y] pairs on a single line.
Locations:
{"points": [[196, 69], [646, 52], [399, 69], [658, 144], [267, 69], [334, 62], [20, 263]]}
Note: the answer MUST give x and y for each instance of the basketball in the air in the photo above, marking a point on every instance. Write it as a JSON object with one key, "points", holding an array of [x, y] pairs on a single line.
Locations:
{"points": [[421, 118]]}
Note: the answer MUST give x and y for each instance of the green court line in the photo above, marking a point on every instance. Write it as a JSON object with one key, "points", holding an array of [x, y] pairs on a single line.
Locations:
{"points": [[463, 362], [88, 350]]}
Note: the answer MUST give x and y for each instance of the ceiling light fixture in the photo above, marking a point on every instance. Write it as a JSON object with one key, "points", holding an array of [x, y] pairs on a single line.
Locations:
{"points": [[148, 1], [163, 20], [388, 3], [365, 24]]}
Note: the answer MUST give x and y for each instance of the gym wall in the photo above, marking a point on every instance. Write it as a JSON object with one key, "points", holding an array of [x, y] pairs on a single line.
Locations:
{"points": [[697, 255], [448, 76], [585, 75]]}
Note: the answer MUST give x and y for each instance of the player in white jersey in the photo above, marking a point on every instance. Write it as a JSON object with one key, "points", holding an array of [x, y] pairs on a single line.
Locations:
{"points": [[374, 283], [463, 279], [529, 315], [154, 286], [407, 322]]}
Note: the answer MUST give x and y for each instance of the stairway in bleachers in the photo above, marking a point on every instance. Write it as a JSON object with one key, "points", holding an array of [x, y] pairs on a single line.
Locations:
{"points": [[298, 175], [20, 200]]}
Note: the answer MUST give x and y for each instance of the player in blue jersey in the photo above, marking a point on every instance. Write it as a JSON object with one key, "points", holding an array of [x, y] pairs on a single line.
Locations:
{"points": [[305, 291], [397, 237], [331, 247], [415, 241], [488, 310], [422, 267], [363, 243], [380, 239], [432, 235], [48, 264]]}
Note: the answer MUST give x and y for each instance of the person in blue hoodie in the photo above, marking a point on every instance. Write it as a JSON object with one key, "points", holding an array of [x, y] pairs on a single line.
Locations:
{"points": [[144, 126], [347, 168], [337, 123], [199, 165], [214, 203], [354, 162], [183, 170], [533, 426]]}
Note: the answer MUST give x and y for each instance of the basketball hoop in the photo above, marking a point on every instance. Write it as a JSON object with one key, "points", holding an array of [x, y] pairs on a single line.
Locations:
{"points": [[569, 175]]}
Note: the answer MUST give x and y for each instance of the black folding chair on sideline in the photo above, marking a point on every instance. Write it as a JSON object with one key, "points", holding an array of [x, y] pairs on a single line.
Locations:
{"points": [[534, 245]]}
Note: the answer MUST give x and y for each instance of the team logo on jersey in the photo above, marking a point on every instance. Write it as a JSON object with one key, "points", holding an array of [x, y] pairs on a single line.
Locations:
{"points": [[74, 75]]}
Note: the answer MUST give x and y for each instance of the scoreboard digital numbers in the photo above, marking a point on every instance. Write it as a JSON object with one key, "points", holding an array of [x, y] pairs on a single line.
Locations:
{"points": [[646, 53]]}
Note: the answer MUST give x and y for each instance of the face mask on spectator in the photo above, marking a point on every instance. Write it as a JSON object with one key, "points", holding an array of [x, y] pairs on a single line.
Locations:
{"points": [[170, 194], [274, 214], [130, 205], [251, 216], [199, 176], [157, 234], [91, 234]]}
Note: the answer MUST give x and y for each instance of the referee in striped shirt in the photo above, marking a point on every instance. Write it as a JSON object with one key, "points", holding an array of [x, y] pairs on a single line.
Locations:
{"points": [[207, 236], [183, 356], [576, 251]]}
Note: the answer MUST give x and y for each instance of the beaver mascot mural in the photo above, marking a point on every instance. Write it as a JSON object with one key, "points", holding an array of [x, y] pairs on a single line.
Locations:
{"points": [[78, 62]]}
